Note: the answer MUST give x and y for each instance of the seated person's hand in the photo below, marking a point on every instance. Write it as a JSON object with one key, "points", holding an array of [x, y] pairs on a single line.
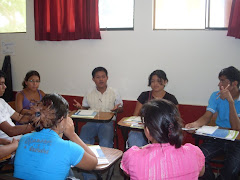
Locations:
{"points": [[4, 141], [191, 125], [115, 108], [224, 93], [77, 104], [69, 127], [15, 142]]}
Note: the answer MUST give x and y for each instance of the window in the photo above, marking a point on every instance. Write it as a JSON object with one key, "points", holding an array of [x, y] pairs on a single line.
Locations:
{"points": [[116, 14], [191, 14], [12, 16]]}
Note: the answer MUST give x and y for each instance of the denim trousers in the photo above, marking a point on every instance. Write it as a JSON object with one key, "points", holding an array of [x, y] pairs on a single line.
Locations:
{"points": [[231, 151], [104, 131], [136, 138], [105, 134]]}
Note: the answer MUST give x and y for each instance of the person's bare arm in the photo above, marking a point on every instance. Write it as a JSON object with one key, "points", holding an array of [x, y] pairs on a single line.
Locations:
{"points": [[4, 141], [89, 160], [117, 108], [20, 118], [233, 117], [18, 104], [224, 93], [202, 171], [15, 130], [78, 105], [137, 109], [8, 149], [204, 120]]}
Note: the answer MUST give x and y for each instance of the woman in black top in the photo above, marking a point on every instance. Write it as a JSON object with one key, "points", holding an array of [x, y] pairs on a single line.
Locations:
{"points": [[157, 81]]}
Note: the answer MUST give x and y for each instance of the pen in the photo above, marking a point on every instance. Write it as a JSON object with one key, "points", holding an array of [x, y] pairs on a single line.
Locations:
{"points": [[224, 89]]}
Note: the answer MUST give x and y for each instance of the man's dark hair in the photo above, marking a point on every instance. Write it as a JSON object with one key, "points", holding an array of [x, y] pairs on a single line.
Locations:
{"points": [[163, 121], [97, 69], [2, 74], [231, 73]]}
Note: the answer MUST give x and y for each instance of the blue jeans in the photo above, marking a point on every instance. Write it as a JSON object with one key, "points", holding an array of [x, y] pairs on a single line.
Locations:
{"points": [[230, 149], [105, 134], [104, 131], [136, 138]]}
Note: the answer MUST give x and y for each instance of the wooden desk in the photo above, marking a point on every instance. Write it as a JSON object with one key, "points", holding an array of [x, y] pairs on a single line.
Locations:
{"points": [[113, 155], [125, 128], [101, 117]]}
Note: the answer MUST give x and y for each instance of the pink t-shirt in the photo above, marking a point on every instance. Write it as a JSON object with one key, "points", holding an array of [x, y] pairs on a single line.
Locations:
{"points": [[163, 161]]}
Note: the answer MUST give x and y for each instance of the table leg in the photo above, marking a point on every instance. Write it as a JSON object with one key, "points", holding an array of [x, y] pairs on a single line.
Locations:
{"points": [[125, 136], [110, 172], [76, 127]]}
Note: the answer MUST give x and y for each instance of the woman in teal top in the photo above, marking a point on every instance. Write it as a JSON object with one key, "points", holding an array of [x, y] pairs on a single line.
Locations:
{"points": [[44, 154]]}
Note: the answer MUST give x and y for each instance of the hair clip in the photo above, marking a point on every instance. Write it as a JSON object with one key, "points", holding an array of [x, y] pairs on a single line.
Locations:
{"points": [[37, 114]]}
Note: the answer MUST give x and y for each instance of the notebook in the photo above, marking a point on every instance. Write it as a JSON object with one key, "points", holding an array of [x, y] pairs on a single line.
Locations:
{"points": [[214, 131], [84, 114], [96, 149]]}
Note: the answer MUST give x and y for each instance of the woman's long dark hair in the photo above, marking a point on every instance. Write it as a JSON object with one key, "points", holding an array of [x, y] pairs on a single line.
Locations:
{"points": [[163, 120]]}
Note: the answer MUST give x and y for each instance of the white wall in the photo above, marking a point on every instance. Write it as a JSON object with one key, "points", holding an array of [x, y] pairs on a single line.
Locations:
{"points": [[192, 59]]}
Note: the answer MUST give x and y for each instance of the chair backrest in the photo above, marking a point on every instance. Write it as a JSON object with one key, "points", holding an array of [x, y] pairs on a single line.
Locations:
{"points": [[12, 104]]}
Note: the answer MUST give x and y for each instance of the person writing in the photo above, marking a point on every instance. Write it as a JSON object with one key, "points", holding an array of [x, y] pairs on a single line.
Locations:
{"points": [[166, 158], [30, 93], [226, 103], [44, 154], [157, 81]]}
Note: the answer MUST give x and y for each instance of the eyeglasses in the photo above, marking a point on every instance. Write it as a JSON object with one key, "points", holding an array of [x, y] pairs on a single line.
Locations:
{"points": [[2, 84], [32, 81]]}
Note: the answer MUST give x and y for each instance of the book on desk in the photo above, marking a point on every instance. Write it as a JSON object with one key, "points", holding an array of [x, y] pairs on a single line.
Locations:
{"points": [[84, 114], [96, 149], [216, 132], [134, 121]]}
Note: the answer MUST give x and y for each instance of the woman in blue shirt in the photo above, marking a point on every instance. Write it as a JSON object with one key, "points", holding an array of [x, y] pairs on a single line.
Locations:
{"points": [[44, 154]]}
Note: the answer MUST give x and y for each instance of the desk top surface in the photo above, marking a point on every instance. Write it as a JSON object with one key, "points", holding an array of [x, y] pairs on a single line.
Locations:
{"points": [[204, 136], [112, 155], [101, 116], [128, 125]]}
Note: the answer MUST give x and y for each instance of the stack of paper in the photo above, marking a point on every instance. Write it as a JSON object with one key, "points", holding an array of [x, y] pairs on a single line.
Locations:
{"points": [[214, 131], [84, 114], [134, 121], [96, 149]]}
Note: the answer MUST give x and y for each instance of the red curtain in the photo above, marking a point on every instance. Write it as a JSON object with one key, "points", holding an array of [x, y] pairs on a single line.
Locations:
{"points": [[57, 20], [234, 21]]}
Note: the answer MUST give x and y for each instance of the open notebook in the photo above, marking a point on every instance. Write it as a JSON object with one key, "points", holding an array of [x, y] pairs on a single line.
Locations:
{"points": [[214, 131], [84, 114], [96, 149]]}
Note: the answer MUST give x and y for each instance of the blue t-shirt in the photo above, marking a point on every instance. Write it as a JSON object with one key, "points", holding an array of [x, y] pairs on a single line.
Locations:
{"points": [[44, 155], [222, 108]]}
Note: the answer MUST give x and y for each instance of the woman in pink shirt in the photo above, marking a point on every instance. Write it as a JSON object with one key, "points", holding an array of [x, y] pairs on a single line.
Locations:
{"points": [[166, 157]]}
